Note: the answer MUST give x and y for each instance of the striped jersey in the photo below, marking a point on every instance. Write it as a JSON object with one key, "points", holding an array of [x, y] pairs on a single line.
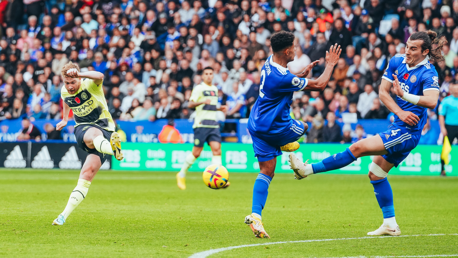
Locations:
{"points": [[89, 105], [205, 113]]}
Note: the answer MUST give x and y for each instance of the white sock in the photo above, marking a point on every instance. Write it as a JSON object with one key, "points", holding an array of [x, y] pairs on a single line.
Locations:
{"points": [[216, 160], [102, 145], [190, 159], [256, 216], [308, 169], [77, 196], [391, 222]]}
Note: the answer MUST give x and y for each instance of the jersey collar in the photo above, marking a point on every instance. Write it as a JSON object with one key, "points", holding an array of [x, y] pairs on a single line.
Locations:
{"points": [[425, 61], [280, 68]]}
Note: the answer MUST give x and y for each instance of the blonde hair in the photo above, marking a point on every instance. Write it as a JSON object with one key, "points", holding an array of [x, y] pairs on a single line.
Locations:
{"points": [[68, 66]]}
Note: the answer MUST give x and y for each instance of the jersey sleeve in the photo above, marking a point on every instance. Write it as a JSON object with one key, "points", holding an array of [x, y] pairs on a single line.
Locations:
{"points": [[196, 94], [390, 70], [292, 83], [430, 81]]}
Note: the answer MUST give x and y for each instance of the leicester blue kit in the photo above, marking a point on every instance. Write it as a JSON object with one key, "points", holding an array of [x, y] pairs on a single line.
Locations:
{"points": [[401, 138], [270, 123]]}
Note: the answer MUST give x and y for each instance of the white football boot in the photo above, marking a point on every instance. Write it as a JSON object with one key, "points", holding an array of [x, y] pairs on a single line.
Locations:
{"points": [[59, 221], [301, 170], [386, 230], [256, 226]]}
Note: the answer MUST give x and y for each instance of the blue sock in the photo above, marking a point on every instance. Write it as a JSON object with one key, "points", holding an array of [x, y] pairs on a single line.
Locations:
{"points": [[335, 161], [260, 191], [384, 195]]}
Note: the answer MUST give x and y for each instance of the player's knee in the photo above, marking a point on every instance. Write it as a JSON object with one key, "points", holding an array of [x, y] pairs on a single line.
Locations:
{"points": [[376, 172], [357, 149], [216, 152]]}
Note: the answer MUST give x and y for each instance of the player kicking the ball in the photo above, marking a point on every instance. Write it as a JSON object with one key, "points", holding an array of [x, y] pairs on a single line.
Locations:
{"points": [[270, 124], [415, 83], [204, 98], [94, 130]]}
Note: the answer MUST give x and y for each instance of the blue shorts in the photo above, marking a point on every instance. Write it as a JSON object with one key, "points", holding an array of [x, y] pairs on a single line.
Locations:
{"points": [[399, 141], [267, 146]]}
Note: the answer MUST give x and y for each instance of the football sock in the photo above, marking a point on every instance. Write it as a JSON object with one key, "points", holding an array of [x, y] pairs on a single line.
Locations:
{"points": [[260, 191], [335, 161], [102, 145], [384, 195], [216, 160], [77, 196], [190, 159]]}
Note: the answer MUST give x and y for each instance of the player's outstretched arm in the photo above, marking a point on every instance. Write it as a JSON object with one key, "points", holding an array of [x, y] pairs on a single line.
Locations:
{"points": [[332, 56], [428, 100], [406, 116], [64, 121], [97, 77]]}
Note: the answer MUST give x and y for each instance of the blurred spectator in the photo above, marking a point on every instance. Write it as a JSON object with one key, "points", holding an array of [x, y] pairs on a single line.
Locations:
{"points": [[236, 103], [346, 137], [29, 131], [52, 133], [148, 113], [359, 134], [331, 131], [366, 100], [377, 111], [37, 113], [132, 111], [427, 135], [315, 134]]}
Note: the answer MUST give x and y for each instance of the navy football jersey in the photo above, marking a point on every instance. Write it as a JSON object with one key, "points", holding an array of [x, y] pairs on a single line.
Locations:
{"points": [[271, 112], [414, 80]]}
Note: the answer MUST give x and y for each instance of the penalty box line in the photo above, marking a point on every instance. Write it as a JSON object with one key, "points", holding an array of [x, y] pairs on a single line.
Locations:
{"points": [[207, 253]]}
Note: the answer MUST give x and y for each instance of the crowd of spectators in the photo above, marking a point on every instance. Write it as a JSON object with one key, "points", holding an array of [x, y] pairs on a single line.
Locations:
{"points": [[152, 53]]}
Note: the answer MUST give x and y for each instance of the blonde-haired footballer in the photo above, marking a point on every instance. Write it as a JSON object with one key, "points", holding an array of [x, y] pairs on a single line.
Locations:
{"points": [[204, 98], [94, 129]]}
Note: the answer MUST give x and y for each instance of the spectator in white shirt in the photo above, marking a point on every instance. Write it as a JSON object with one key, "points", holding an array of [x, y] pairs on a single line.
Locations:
{"points": [[366, 99], [300, 62], [454, 41], [137, 38], [244, 83]]}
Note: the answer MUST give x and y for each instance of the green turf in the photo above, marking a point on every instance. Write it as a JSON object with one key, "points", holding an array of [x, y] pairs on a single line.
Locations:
{"points": [[129, 214]]}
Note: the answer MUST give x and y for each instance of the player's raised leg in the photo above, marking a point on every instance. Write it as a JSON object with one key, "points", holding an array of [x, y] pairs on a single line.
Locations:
{"points": [[88, 172], [370, 146], [94, 139], [378, 175], [260, 192]]}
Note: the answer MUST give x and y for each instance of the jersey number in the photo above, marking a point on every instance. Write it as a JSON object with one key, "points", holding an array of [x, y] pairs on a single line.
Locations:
{"points": [[263, 79]]}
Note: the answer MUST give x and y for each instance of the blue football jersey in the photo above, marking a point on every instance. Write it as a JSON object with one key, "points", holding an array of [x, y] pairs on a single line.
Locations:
{"points": [[271, 112], [414, 80]]}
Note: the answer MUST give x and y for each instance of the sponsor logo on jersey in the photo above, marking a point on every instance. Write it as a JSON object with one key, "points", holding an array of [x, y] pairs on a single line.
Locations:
{"points": [[413, 79], [15, 159], [70, 160], [43, 159]]}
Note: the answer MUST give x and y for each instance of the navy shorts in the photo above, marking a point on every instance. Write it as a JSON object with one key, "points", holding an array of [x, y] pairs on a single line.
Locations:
{"points": [[267, 146], [399, 142], [203, 134], [79, 135]]}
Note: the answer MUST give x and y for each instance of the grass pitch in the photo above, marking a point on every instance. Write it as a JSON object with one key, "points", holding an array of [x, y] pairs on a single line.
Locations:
{"points": [[133, 214]]}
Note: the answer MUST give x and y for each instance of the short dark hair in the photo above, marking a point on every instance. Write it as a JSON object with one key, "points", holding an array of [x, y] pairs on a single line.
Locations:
{"points": [[281, 40], [208, 68]]}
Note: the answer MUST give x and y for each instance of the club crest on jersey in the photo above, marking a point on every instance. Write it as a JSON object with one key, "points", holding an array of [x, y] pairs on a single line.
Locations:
{"points": [[296, 81], [406, 76], [413, 79], [84, 96]]}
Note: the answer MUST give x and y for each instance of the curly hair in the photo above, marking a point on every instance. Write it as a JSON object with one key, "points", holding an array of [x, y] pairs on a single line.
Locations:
{"points": [[429, 40], [281, 40], [68, 66]]}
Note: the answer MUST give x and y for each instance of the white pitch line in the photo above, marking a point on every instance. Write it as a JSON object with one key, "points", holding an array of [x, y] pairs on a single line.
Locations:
{"points": [[215, 251], [436, 255]]}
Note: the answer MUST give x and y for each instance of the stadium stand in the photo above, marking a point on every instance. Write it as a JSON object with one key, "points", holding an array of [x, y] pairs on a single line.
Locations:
{"points": [[152, 54]]}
